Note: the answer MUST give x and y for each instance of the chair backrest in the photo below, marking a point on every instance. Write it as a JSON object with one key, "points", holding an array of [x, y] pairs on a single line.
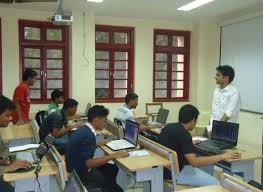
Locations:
{"points": [[117, 121], [115, 129], [153, 108], [40, 116], [236, 185]]}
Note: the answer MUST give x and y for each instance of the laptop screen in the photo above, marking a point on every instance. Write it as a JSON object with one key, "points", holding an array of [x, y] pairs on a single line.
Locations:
{"points": [[162, 116], [225, 131], [131, 132]]}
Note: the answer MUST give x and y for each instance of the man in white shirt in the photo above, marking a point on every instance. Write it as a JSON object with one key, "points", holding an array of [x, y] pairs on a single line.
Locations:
{"points": [[125, 112], [226, 100]]}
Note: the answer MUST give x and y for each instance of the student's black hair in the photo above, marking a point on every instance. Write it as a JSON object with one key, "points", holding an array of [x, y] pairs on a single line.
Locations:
{"points": [[6, 104], [130, 96], [97, 111], [29, 73], [56, 94], [68, 103], [187, 113], [227, 70]]}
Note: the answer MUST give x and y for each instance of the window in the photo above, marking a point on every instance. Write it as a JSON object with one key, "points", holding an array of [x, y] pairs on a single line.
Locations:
{"points": [[44, 48], [0, 58], [171, 65], [114, 63]]}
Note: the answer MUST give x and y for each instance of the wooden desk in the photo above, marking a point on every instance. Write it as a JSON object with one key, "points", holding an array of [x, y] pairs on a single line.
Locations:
{"points": [[214, 188], [18, 135], [146, 168]]}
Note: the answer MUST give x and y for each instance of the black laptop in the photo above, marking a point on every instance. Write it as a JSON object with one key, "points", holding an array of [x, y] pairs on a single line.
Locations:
{"points": [[161, 117], [224, 136]]}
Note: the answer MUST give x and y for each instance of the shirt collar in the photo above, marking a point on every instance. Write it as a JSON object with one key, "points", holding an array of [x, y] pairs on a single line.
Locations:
{"points": [[227, 88], [91, 128], [125, 105]]}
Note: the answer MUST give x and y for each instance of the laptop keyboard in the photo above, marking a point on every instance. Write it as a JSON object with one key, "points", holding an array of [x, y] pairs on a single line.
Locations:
{"points": [[208, 149], [218, 144], [120, 144]]}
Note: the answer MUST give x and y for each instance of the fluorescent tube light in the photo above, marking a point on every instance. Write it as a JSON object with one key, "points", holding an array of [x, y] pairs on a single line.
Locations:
{"points": [[96, 1], [193, 5]]}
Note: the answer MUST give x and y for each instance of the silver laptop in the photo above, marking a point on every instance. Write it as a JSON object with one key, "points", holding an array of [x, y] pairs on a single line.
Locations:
{"points": [[161, 117], [74, 184], [130, 137]]}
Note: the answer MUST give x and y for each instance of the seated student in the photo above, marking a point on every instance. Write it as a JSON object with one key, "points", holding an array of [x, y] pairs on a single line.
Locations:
{"points": [[7, 107], [125, 112], [176, 136], [57, 97], [57, 124], [93, 172]]}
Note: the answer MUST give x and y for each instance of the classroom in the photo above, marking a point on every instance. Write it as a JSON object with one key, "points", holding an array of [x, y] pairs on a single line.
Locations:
{"points": [[155, 54]]}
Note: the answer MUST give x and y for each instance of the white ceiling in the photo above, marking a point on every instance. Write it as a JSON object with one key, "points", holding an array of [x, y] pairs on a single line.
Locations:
{"points": [[147, 9]]}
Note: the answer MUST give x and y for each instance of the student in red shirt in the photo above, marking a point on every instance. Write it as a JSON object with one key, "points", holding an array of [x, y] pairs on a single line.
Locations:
{"points": [[21, 97]]}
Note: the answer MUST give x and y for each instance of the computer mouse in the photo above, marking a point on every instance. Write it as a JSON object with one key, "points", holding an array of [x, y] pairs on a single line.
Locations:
{"points": [[25, 170]]}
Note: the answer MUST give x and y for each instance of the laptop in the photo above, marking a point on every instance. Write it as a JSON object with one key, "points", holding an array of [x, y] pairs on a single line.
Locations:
{"points": [[130, 137], [224, 136], [115, 129], [88, 106], [74, 184], [161, 117]]}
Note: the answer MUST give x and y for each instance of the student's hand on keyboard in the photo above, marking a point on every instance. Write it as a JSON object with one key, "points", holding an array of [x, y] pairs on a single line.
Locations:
{"points": [[230, 154], [17, 165], [120, 154]]}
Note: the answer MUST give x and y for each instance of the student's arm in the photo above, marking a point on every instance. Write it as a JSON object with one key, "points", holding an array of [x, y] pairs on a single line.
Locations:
{"points": [[19, 113], [17, 165], [224, 118], [58, 132], [97, 162], [195, 161], [231, 106]]}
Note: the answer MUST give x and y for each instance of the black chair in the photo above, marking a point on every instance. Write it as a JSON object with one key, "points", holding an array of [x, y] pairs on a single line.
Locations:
{"points": [[118, 121], [40, 116]]}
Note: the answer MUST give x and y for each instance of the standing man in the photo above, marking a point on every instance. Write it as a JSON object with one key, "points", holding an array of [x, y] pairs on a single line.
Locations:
{"points": [[21, 97], [226, 100], [6, 164]]}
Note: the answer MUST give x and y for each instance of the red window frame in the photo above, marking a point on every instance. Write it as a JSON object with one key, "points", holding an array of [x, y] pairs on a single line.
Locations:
{"points": [[0, 58], [169, 50], [43, 45], [111, 47]]}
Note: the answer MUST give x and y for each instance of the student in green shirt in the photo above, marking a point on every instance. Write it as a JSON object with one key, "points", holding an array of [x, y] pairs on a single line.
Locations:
{"points": [[57, 97]]}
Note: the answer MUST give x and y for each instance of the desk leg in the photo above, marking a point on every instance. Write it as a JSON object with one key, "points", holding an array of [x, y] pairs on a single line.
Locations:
{"points": [[154, 178], [246, 167]]}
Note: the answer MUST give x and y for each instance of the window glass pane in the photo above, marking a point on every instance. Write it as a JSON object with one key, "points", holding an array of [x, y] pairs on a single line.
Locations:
{"points": [[102, 83], [54, 34], [161, 84], [35, 94], [178, 58], [36, 84], [177, 75], [102, 74], [102, 64], [32, 33], [121, 65], [102, 37], [161, 57], [56, 84], [31, 52], [160, 66], [120, 93], [120, 38], [160, 93], [161, 40], [178, 67], [177, 84], [54, 74], [101, 93], [178, 41], [120, 83], [54, 53], [177, 93], [54, 63], [49, 93], [32, 63], [120, 56], [120, 74], [160, 75], [102, 55]]}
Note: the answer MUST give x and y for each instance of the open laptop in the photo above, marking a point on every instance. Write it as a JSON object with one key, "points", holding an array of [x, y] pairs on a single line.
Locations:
{"points": [[85, 114], [161, 117], [224, 136], [115, 129], [130, 137], [74, 184]]}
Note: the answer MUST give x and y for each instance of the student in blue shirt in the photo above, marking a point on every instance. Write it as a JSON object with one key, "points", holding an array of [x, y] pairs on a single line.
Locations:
{"points": [[93, 172]]}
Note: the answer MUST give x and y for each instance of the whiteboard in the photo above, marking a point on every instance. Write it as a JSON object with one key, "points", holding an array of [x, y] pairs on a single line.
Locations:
{"points": [[242, 48]]}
